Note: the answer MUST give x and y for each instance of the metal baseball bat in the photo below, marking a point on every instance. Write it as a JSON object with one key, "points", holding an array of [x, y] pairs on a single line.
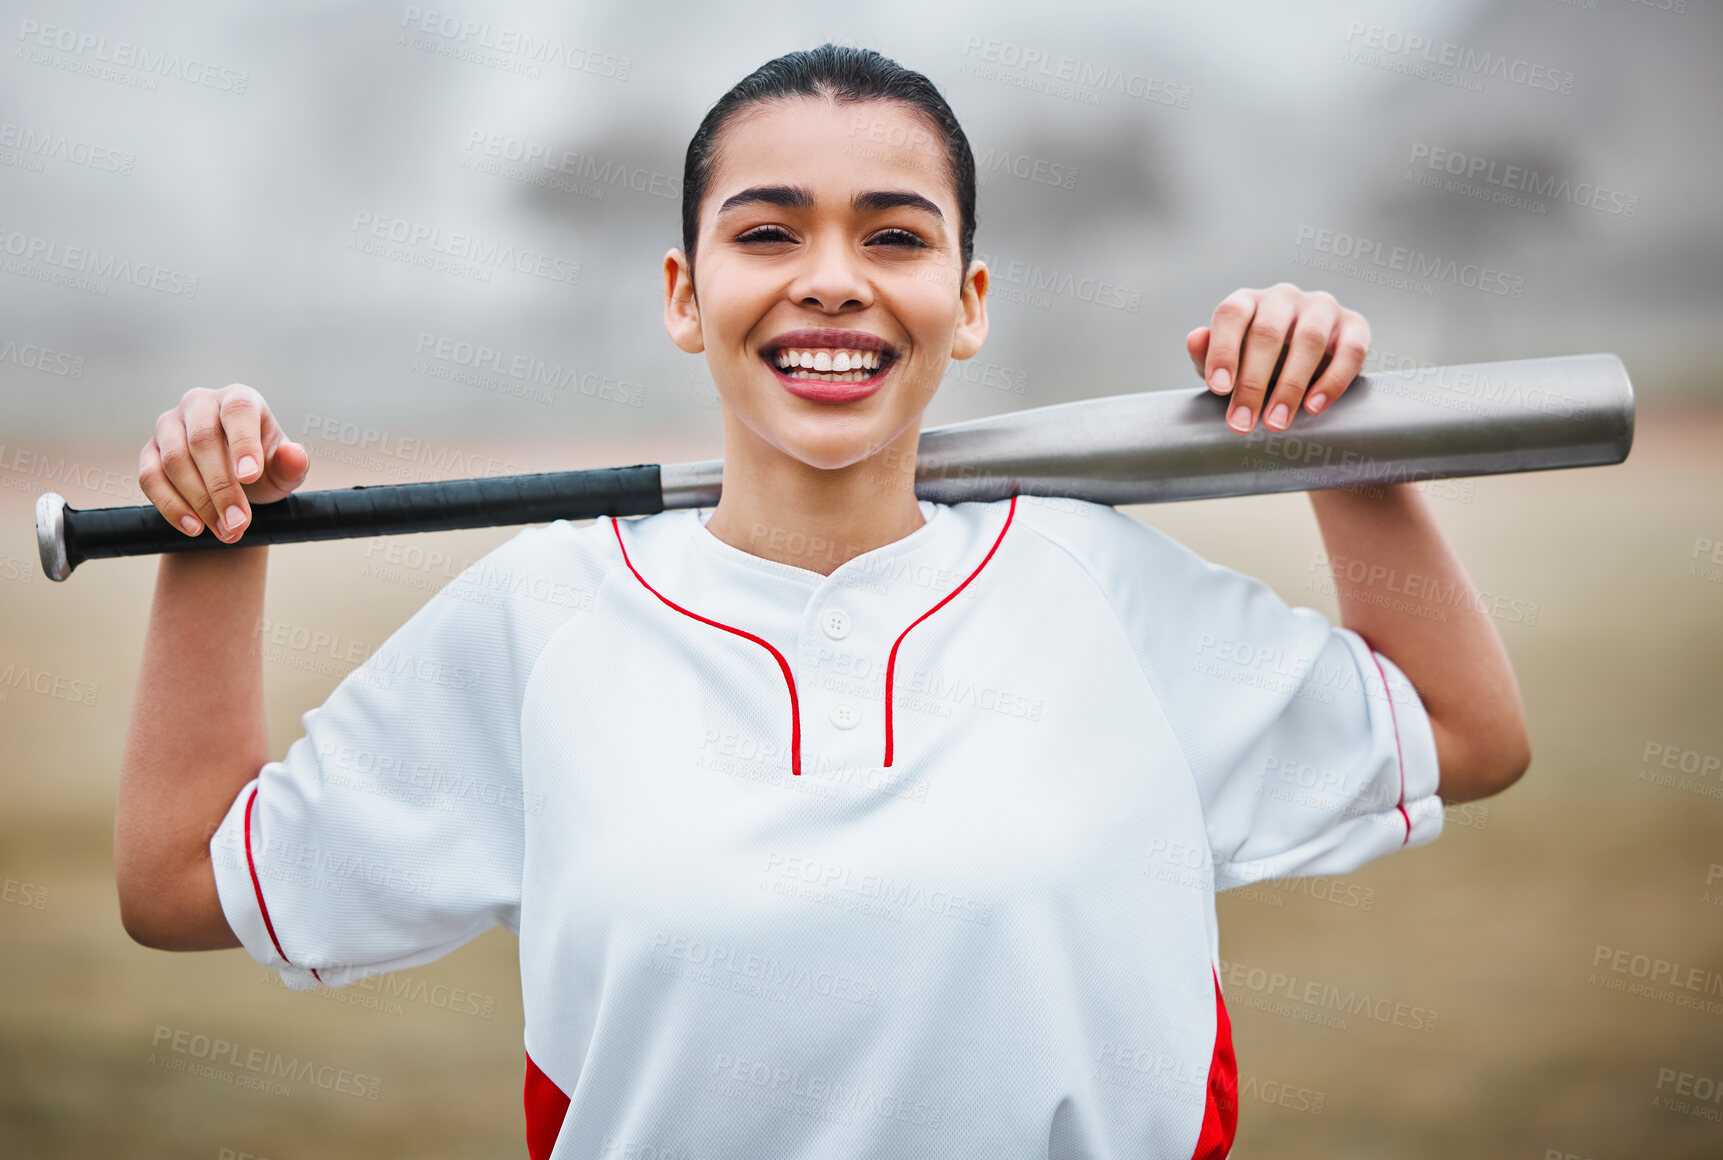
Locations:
{"points": [[1424, 424]]}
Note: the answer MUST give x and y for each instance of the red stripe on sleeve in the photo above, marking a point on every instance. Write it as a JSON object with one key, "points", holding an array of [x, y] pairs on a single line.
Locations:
{"points": [[258, 886], [1399, 757]]}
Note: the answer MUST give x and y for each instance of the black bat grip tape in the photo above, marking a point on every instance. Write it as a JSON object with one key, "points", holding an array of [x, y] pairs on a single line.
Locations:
{"points": [[391, 509]]}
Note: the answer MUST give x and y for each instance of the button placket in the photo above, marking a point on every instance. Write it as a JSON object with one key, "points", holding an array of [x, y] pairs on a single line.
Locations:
{"points": [[835, 624], [839, 661]]}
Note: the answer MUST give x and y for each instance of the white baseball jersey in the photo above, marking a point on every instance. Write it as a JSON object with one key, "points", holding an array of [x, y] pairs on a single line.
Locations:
{"points": [[913, 859]]}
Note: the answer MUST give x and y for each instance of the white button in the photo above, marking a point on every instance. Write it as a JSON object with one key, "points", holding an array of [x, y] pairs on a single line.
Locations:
{"points": [[845, 716], [836, 622]]}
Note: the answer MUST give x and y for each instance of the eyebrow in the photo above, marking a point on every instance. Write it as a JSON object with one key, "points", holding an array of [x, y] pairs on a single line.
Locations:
{"points": [[799, 197]]}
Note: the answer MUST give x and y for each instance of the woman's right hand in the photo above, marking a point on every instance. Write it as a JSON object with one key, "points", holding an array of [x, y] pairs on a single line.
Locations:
{"points": [[215, 455]]}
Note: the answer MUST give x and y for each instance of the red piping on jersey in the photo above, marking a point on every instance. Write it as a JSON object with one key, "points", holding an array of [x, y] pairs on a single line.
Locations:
{"points": [[258, 886], [891, 661], [1399, 758], [1220, 1113], [795, 710], [546, 1108]]}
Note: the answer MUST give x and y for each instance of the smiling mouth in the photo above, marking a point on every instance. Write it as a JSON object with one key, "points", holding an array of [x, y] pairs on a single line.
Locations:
{"points": [[829, 365]]}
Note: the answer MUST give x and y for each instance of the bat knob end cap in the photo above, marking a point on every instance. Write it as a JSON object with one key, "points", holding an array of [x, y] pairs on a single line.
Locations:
{"points": [[51, 535]]}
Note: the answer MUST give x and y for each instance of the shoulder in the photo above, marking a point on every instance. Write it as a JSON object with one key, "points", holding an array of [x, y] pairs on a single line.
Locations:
{"points": [[543, 572], [1111, 546], [1161, 590], [557, 546]]}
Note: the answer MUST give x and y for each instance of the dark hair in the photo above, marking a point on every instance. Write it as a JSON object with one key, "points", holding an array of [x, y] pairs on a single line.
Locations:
{"points": [[846, 75]]}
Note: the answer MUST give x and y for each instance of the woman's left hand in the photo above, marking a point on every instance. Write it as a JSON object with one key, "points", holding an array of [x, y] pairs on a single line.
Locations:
{"points": [[1315, 336]]}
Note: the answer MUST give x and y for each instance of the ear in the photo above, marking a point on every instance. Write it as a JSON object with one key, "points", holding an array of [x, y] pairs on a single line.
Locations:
{"points": [[681, 311], [972, 327]]}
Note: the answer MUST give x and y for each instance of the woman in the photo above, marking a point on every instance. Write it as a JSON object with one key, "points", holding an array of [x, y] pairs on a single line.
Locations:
{"points": [[1028, 740]]}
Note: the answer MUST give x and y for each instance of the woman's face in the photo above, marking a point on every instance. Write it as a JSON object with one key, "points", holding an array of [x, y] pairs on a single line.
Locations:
{"points": [[832, 230]]}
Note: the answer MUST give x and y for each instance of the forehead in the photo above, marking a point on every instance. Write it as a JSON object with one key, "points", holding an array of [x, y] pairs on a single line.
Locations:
{"points": [[833, 149]]}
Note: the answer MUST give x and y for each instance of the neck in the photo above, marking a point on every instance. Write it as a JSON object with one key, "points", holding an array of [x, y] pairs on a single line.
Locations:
{"points": [[779, 508]]}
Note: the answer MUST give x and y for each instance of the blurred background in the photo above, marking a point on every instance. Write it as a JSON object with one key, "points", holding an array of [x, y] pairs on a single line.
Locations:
{"points": [[193, 197]]}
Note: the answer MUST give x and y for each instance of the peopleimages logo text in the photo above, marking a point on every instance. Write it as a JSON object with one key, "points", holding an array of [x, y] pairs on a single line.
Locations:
{"points": [[1523, 179], [1465, 60], [33, 248], [1414, 263], [125, 54], [480, 252]]}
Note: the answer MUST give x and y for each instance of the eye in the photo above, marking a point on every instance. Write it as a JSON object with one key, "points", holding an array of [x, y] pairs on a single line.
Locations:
{"points": [[764, 234], [899, 237]]}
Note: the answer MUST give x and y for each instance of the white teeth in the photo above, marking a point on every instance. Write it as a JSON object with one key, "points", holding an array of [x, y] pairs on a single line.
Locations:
{"points": [[816, 376], [830, 360]]}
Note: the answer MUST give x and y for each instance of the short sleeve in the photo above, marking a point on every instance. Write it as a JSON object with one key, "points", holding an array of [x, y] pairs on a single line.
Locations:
{"points": [[393, 830], [1312, 753], [1332, 766]]}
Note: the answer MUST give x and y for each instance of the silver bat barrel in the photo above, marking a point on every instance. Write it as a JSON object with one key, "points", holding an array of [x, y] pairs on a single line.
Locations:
{"points": [[1163, 446]]}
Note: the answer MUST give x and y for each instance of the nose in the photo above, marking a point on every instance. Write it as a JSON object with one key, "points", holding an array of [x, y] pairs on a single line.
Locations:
{"points": [[829, 276]]}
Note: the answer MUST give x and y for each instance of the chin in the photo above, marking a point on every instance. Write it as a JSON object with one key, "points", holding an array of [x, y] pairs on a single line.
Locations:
{"points": [[827, 436], [830, 449]]}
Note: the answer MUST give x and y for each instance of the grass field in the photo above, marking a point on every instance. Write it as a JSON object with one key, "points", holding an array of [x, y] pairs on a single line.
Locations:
{"points": [[1536, 1052]]}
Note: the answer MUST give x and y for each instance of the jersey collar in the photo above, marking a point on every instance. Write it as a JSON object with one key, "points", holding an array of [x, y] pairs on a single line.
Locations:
{"points": [[934, 517]]}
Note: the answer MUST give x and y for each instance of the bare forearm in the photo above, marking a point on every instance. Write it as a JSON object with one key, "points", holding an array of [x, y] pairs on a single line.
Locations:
{"points": [[197, 735], [1404, 590]]}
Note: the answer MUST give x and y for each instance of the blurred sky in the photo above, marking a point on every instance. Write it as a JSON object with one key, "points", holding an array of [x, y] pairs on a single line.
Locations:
{"points": [[238, 144]]}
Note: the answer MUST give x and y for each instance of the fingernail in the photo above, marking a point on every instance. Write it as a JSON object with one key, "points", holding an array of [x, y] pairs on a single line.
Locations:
{"points": [[1278, 415], [232, 517], [1317, 402], [191, 525], [1239, 420], [246, 465], [1221, 383]]}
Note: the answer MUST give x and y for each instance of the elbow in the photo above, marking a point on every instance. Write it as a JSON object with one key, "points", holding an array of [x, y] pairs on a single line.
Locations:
{"points": [[174, 911], [1484, 768], [141, 922], [138, 885], [153, 915], [1511, 765]]}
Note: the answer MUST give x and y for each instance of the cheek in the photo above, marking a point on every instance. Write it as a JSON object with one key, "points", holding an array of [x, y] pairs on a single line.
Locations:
{"points": [[929, 303], [731, 305], [937, 313]]}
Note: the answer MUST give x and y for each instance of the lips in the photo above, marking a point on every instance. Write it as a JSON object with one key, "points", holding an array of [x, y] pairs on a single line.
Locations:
{"points": [[825, 338], [816, 337]]}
